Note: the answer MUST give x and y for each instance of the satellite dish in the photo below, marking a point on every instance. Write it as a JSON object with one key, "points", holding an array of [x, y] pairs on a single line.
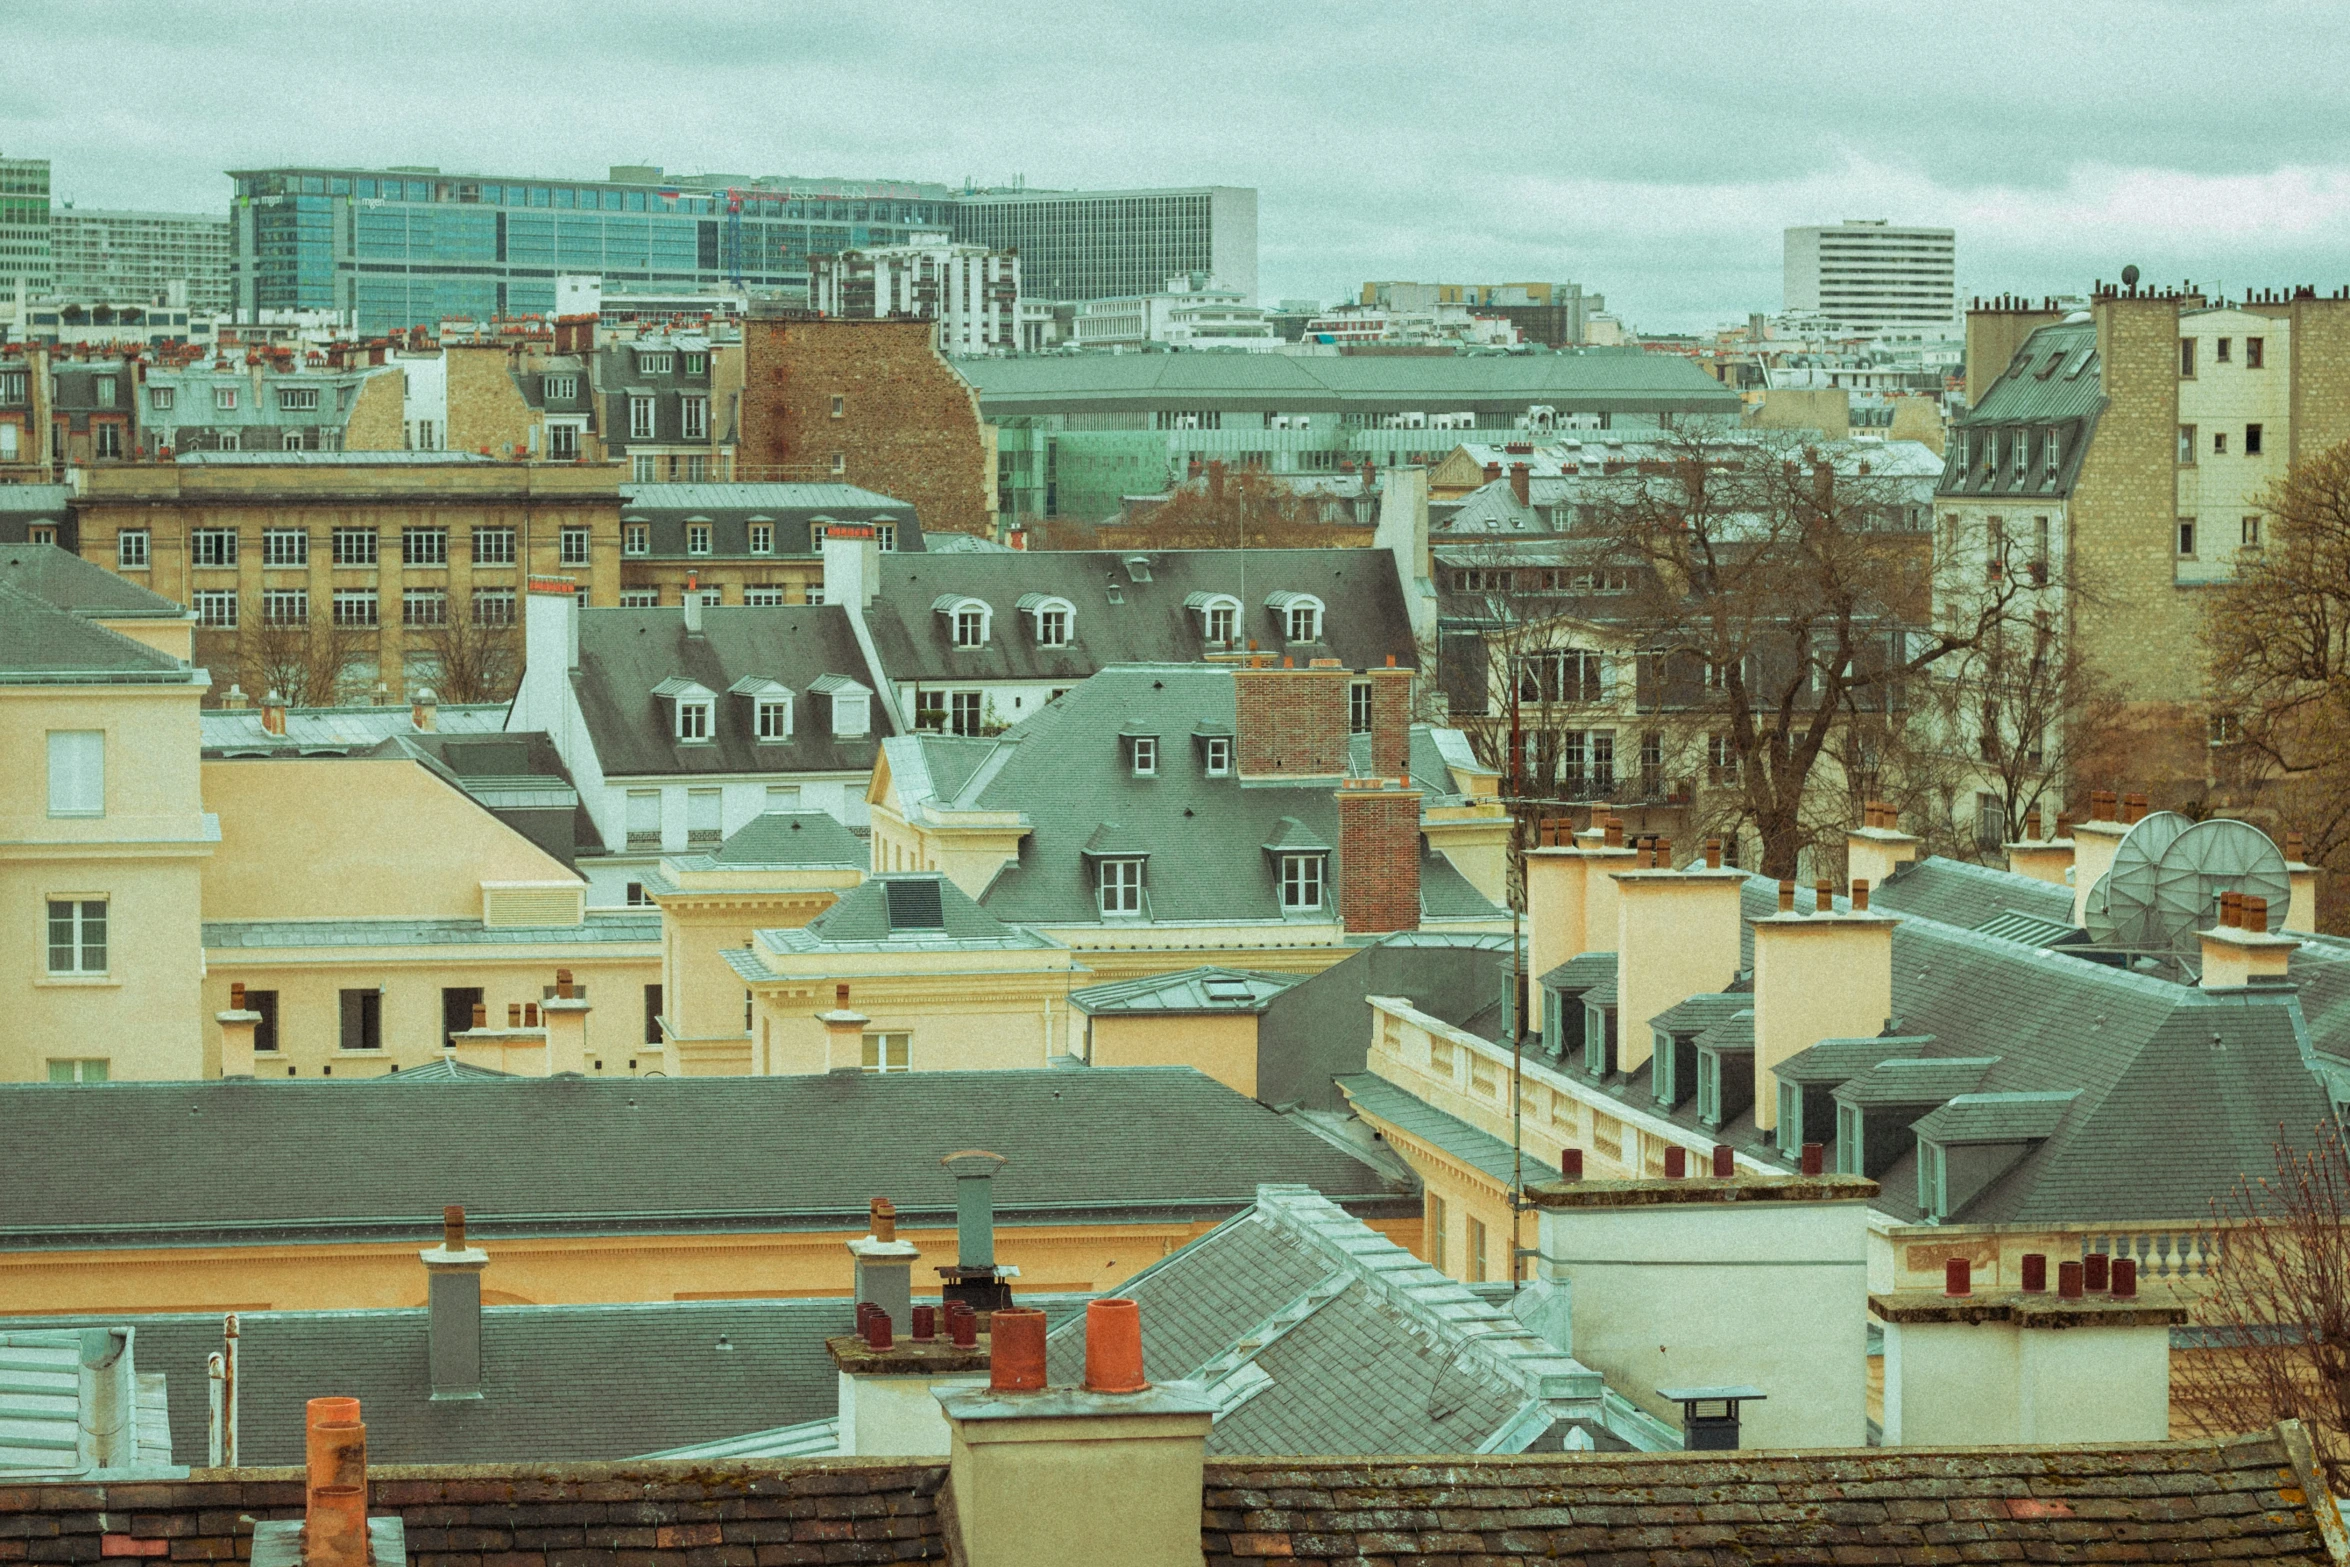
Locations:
{"points": [[2132, 917], [2221, 855], [2129, 277]]}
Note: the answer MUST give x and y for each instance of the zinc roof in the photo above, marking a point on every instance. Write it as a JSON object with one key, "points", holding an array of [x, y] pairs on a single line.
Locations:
{"points": [[794, 838], [329, 459], [1208, 989], [2028, 391], [1992, 1118], [899, 911]]}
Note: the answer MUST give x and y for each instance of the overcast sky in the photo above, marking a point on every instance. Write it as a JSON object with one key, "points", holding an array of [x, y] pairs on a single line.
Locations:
{"points": [[1651, 152]]}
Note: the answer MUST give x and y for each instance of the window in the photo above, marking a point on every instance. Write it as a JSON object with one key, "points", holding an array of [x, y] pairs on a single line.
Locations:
{"points": [[1301, 881], [159, 398], [970, 628], [130, 549], [1146, 755], [885, 535], [493, 546], [563, 442], [640, 418], [285, 547], [263, 1002], [106, 439], [644, 818], [654, 364], [696, 415], [1219, 756], [493, 606], [2187, 358], [362, 1020], [637, 897], [774, 717], [216, 607], [1933, 1168], [87, 1069], [215, 546], [762, 538], [840, 407], [12, 387], [2226, 729], [889, 1052], [640, 598], [1721, 761], [355, 607], [2187, 537], [1436, 1217], [2186, 443], [2255, 352], [77, 772], [705, 816], [354, 546], [425, 437], [1476, 1240], [298, 399], [1848, 1150], [1562, 675], [966, 707], [224, 397], [1358, 707], [694, 364], [2219, 350], [573, 546], [424, 607], [1302, 622], [2051, 446], [763, 595], [839, 463], [1990, 810], [2219, 443], [697, 538], [285, 606], [693, 720], [2252, 435], [77, 935], [2252, 533], [1119, 884], [424, 546], [559, 388], [637, 539], [852, 713], [2020, 448], [1222, 621]]}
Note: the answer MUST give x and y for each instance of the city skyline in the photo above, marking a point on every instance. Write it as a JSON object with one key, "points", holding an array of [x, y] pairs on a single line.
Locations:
{"points": [[2059, 148]]}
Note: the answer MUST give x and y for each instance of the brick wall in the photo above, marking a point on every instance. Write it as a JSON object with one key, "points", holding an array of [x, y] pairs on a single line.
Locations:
{"points": [[487, 411], [1379, 859], [2320, 346], [1291, 723], [376, 423], [744, 1514], [1391, 722], [908, 427]]}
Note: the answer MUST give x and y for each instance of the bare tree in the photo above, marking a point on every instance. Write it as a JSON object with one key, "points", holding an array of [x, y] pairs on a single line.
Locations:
{"points": [[1230, 507], [2279, 1309], [308, 662], [474, 659]]}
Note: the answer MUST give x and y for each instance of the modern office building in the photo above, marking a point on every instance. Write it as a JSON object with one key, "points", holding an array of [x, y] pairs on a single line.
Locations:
{"points": [[1865, 275], [26, 271], [1556, 314], [970, 291], [404, 246], [1094, 244], [138, 256]]}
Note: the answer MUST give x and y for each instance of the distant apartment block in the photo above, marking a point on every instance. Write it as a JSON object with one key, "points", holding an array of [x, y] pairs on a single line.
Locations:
{"points": [[1077, 245], [137, 257], [972, 293], [1866, 275], [26, 270], [1557, 314], [1194, 310]]}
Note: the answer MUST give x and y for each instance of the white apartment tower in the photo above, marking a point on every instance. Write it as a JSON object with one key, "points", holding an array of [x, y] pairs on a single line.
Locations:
{"points": [[972, 292], [1867, 276]]}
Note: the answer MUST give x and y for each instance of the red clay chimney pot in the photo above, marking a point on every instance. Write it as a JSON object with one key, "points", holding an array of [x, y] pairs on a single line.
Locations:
{"points": [[2125, 1278], [1713, 854], [1113, 1347], [1676, 1163], [1958, 1277], [962, 1326], [481, 1015], [1571, 1164], [2096, 1272], [1860, 896], [236, 996], [1813, 1159], [2068, 1281], [925, 1324], [1017, 1364], [2035, 1273], [1725, 1162], [1786, 897]]}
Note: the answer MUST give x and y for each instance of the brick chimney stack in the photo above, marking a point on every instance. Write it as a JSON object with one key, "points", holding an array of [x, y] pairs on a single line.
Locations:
{"points": [[1378, 855], [1521, 485], [1292, 723]]}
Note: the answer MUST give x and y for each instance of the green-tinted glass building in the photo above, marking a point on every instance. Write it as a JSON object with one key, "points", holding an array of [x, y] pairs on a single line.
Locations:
{"points": [[27, 271]]}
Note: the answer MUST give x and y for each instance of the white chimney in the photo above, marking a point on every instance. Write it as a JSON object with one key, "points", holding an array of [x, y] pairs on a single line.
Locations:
{"points": [[1677, 936], [1823, 975], [693, 604], [453, 1302], [1570, 902], [852, 564]]}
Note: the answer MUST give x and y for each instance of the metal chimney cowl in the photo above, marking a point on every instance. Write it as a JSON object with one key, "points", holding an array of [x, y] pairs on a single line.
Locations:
{"points": [[975, 1279]]}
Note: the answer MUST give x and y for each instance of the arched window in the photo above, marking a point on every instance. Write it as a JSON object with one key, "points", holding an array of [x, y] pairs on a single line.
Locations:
{"points": [[1052, 620], [1298, 614], [968, 619], [1219, 616]]}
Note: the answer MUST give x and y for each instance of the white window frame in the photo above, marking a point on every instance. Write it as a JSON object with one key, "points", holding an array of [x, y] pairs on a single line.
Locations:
{"points": [[762, 595], [558, 388], [1301, 875], [77, 924], [159, 398], [132, 547], [636, 538], [885, 536], [641, 418], [970, 623], [762, 538], [213, 548], [297, 399], [424, 546], [1144, 755], [216, 607], [695, 413], [493, 546], [889, 1052], [773, 717], [1359, 707], [1118, 888], [224, 397], [574, 543], [285, 547], [493, 606], [562, 440], [285, 606], [697, 538], [356, 607], [1218, 759], [694, 720], [424, 607]]}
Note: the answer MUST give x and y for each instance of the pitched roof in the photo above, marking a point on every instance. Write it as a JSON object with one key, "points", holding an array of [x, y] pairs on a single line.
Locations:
{"points": [[63, 580], [1207, 989], [799, 839], [1373, 1095], [625, 653], [237, 731], [44, 645], [893, 911], [571, 1155], [792, 510], [1118, 619]]}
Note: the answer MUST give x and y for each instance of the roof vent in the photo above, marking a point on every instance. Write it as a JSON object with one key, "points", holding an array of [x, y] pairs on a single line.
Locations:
{"points": [[1138, 568]]}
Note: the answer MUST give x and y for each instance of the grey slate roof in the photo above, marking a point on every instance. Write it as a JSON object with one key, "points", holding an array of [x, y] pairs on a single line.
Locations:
{"points": [[1364, 618], [797, 839], [1063, 770], [445, 1069], [270, 1161], [426, 933], [894, 911], [1319, 1029], [63, 580], [730, 509], [1993, 1118], [1209, 989], [40, 644], [1372, 1094], [1914, 1080], [1840, 1060], [1580, 972], [625, 653], [1315, 1334]]}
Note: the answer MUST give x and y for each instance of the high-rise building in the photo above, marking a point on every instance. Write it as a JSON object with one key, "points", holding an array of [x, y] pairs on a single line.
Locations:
{"points": [[970, 291], [1867, 276], [407, 246], [135, 257], [1096, 244], [26, 272]]}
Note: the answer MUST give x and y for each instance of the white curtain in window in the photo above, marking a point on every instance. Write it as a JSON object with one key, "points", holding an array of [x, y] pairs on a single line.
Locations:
{"points": [[77, 772]]}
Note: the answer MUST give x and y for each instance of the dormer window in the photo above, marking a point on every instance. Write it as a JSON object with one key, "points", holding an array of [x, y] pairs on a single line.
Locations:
{"points": [[1142, 755], [1298, 614], [770, 707], [1301, 882], [762, 538], [697, 538], [693, 708], [693, 720], [1217, 755], [1053, 619], [852, 705], [1219, 615], [1118, 887], [967, 619]]}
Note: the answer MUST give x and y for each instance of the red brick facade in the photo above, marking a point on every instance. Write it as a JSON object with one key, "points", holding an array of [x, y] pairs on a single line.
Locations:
{"points": [[1391, 722], [1290, 723], [907, 425], [1378, 855]]}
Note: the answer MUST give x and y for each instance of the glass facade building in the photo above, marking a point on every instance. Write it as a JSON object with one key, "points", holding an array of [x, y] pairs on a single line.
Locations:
{"points": [[399, 247], [26, 269]]}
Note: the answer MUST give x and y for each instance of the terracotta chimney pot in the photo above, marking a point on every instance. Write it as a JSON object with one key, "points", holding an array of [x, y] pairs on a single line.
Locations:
{"points": [[481, 1015], [1113, 1347], [1813, 1159], [1958, 1277], [1725, 1162], [2035, 1273], [1676, 1163], [885, 1219], [1860, 897], [563, 984], [1017, 1364], [1786, 897], [1713, 854]]}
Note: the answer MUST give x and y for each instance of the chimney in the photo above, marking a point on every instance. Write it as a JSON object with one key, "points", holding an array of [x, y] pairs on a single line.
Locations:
{"points": [[237, 1026], [844, 1034], [2241, 950], [2094, 843], [236, 700], [1652, 1264], [1709, 1415], [1378, 867], [333, 1531], [551, 631], [692, 600], [1571, 904], [2302, 914], [424, 712], [1391, 719], [1492, 472], [1521, 487], [885, 1268], [1130, 1454], [2027, 1368], [454, 1300], [974, 1280], [1823, 975], [1677, 935], [1291, 723], [564, 1016], [852, 564], [1874, 850], [2042, 859], [273, 714], [889, 1378]]}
